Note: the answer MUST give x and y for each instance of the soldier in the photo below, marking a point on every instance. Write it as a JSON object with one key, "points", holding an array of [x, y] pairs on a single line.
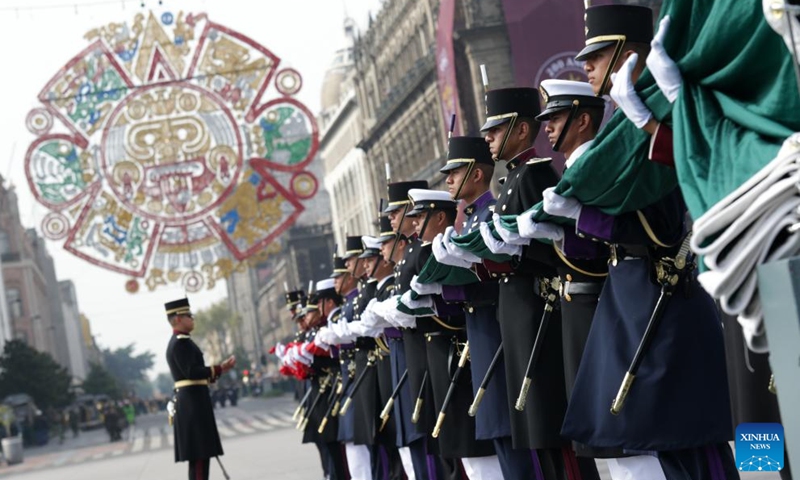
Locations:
{"points": [[510, 130], [469, 171], [444, 341], [685, 355], [194, 426]]}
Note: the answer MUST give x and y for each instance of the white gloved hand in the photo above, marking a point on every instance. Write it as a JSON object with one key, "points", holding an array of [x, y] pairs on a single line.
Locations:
{"points": [[425, 288], [508, 236], [280, 350], [559, 206], [305, 357], [624, 95], [546, 230], [444, 257], [779, 24], [323, 335], [498, 246], [457, 251], [663, 68]]}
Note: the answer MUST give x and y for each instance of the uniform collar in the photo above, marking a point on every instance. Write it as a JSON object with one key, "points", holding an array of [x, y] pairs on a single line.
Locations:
{"points": [[383, 281], [480, 202], [178, 332], [578, 152], [333, 312], [521, 158]]}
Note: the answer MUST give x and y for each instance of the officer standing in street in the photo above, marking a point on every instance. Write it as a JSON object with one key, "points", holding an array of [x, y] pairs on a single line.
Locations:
{"points": [[194, 426]]}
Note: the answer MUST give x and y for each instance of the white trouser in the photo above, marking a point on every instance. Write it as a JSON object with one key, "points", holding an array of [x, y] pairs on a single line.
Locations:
{"points": [[482, 468], [408, 465], [358, 461], [639, 467]]}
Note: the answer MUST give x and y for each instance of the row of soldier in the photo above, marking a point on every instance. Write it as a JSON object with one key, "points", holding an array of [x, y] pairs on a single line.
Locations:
{"points": [[506, 365]]}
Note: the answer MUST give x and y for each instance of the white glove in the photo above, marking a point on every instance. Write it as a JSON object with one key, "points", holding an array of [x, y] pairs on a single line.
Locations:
{"points": [[457, 251], [779, 24], [625, 96], [507, 235], [343, 332], [444, 257], [559, 206], [324, 335], [427, 288], [546, 230], [280, 350], [498, 246], [663, 68]]}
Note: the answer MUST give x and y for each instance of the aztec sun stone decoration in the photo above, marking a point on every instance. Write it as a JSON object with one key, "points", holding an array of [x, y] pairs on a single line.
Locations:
{"points": [[171, 150]]}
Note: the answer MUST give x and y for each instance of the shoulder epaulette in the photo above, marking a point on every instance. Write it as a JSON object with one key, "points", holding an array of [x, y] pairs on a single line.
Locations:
{"points": [[181, 337], [534, 161]]}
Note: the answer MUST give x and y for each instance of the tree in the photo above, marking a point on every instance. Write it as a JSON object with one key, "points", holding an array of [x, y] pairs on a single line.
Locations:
{"points": [[26, 370], [164, 383], [127, 368], [215, 324], [99, 381]]}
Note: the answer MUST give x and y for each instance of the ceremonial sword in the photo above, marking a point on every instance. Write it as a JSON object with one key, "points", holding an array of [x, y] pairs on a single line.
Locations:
{"points": [[418, 405], [323, 385], [334, 392], [473, 409], [302, 404], [387, 409], [668, 273], [453, 381], [538, 343]]}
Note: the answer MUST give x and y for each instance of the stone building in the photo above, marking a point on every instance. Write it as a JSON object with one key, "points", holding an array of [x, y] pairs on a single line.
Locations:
{"points": [[77, 353]]}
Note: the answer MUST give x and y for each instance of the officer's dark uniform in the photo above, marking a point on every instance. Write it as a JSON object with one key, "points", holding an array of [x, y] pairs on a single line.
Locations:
{"points": [[407, 434], [679, 404], [444, 337], [479, 302], [194, 426], [347, 351]]}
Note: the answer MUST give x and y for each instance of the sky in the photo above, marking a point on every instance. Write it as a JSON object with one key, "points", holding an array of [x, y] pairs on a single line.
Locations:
{"points": [[37, 37]]}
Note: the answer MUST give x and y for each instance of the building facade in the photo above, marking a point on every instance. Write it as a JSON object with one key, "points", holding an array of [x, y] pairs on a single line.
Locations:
{"points": [[76, 348]]}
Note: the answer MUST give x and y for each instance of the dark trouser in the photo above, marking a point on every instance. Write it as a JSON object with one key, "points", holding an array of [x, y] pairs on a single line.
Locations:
{"points": [[714, 462], [387, 464], [336, 467], [198, 469], [419, 458], [562, 464], [515, 464], [324, 457]]}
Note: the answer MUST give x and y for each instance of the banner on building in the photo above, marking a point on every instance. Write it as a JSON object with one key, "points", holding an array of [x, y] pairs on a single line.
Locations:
{"points": [[445, 63]]}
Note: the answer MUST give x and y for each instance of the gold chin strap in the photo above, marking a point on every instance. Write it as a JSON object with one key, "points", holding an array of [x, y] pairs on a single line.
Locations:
{"points": [[470, 167], [511, 124], [620, 41]]}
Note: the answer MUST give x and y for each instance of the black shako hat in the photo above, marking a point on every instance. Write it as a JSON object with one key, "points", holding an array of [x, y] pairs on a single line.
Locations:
{"points": [[294, 298], [178, 307], [386, 233], [609, 24], [339, 267], [462, 151], [504, 104], [352, 247], [398, 193]]}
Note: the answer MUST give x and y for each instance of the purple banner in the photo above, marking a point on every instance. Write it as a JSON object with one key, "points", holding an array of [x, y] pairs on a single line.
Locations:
{"points": [[445, 66], [545, 36]]}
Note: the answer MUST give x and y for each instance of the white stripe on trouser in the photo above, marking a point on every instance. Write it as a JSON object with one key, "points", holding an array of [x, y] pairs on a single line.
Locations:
{"points": [[358, 461], [482, 468], [639, 467], [408, 465]]}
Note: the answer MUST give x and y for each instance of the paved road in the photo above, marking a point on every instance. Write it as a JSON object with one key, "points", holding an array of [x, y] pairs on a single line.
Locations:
{"points": [[258, 436]]}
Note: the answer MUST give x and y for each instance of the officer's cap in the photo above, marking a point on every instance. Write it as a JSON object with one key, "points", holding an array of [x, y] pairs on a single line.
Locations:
{"points": [[352, 246], [398, 193], [563, 94], [326, 289], [339, 267], [429, 200], [607, 24], [294, 297], [462, 151], [372, 247], [386, 231], [178, 307], [504, 103]]}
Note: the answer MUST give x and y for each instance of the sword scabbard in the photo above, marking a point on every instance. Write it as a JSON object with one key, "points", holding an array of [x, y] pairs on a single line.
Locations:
{"points": [[417, 411], [473, 409], [523, 394], [622, 394], [438, 428]]}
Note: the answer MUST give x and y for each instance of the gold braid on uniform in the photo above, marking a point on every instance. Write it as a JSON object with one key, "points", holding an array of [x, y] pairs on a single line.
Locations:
{"points": [[574, 267], [445, 325], [649, 230]]}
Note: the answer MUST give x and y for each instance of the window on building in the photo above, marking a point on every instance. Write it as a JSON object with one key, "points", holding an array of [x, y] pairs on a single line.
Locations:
{"points": [[14, 300]]}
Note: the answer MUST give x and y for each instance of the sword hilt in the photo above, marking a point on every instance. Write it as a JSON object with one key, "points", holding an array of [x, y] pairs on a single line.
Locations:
{"points": [[346, 406], [335, 409], [622, 394], [322, 425], [473, 409], [384, 421], [438, 428], [523, 394], [417, 411]]}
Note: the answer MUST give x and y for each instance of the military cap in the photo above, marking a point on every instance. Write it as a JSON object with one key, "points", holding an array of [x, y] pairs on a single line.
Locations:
{"points": [[609, 24], [300, 312], [429, 200], [463, 151], [326, 289], [178, 307], [386, 232], [352, 246], [339, 267], [372, 247], [564, 94], [506, 103], [294, 297], [398, 193]]}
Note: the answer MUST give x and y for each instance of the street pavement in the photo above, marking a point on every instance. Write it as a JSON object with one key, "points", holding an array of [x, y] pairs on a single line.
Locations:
{"points": [[258, 437]]}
